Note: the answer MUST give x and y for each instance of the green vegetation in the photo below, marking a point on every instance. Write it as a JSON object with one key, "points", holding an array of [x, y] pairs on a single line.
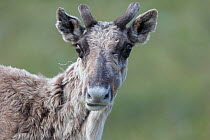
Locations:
{"points": [[167, 92]]}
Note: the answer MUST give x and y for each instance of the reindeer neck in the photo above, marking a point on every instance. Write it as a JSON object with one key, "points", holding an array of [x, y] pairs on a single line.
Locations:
{"points": [[67, 104], [75, 121]]}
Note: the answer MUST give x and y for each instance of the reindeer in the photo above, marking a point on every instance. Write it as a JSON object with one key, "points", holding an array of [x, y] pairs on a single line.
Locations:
{"points": [[73, 105]]}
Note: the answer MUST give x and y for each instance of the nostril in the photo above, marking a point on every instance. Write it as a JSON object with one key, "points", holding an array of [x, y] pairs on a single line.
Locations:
{"points": [[106, 96], [88, 96]]}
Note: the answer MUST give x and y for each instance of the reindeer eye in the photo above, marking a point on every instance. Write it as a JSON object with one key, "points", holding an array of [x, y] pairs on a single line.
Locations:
{"points": [[129, 48], [79, 51], [127, 51]]}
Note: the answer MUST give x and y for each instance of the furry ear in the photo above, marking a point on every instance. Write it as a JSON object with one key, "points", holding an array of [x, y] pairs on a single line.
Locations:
{"points": [[69, 26], [142, 26]]}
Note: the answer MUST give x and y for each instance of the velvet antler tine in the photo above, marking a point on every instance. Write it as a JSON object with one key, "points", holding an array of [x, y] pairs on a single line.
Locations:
{"points": [[85, 13], [129, 14]]}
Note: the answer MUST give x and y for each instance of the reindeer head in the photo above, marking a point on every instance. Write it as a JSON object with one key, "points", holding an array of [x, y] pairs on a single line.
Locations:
{"points": [[103, 49]]}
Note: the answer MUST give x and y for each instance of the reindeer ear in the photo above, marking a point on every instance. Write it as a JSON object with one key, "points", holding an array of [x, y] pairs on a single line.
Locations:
{"points": [[142, 26], [69, 26]]}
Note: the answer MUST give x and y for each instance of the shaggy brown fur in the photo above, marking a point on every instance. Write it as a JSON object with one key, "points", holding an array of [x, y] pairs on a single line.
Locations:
{"points": [[37, 108], [34, 107]]}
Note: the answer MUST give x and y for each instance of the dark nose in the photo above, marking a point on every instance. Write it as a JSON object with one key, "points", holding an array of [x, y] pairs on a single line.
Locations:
{"points": [[98, 95]]}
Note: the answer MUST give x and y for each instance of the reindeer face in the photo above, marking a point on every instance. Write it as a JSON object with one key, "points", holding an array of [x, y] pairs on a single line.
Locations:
{"points": [[104, 52], [103, 49]]}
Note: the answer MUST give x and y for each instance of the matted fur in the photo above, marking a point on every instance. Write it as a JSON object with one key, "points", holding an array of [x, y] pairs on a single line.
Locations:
{"points": [[37, 108]]}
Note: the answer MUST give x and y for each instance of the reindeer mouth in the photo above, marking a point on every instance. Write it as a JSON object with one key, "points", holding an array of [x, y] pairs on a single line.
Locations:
{"points": [[95, 104], [95, 107]]}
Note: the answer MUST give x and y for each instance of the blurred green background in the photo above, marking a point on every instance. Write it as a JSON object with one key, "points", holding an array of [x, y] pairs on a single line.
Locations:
{"points": [[167, 92]]}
